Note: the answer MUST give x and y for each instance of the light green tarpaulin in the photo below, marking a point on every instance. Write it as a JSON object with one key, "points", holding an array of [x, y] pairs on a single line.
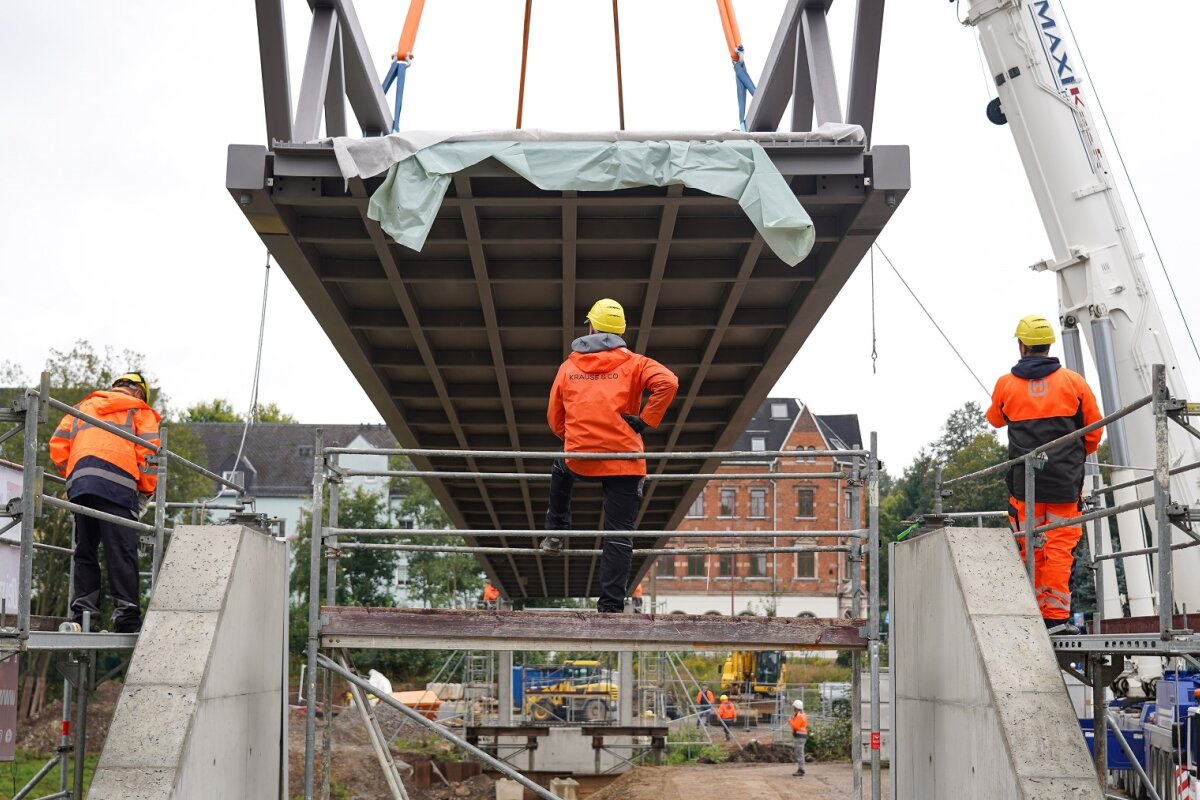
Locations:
{"points": [[408, 201]]}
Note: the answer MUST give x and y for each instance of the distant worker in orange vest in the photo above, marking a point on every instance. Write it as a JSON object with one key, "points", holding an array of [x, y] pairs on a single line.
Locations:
{"points": [[107, 473], [799, 725], [1040, 401], [704, 705], [596, 407], [638, 601], [491, 596], [727, 713]]}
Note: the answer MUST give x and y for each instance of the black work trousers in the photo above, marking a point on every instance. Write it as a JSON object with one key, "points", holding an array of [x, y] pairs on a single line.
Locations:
{"points": [[622, 495], [121, 556]]}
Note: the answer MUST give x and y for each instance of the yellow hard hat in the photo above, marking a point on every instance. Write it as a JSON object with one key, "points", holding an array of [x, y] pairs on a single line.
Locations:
{"points": [[1034, 330], [724, 697], [137, 380], [607, 316]]}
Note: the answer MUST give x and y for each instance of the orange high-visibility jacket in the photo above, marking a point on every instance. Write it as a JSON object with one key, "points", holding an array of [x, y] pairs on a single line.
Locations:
{"points": [[96, 462], [799, 723], [727, 710], [1039, 402], [705, 698], [591, 392], [490, 594]]}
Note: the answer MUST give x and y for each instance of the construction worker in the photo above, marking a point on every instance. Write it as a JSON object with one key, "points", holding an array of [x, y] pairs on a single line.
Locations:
{"points": [[110, 474], [727, 714], [1040, 401], [638, 599], [491, 597], [596, 406], [705, 699], [799, 725]]}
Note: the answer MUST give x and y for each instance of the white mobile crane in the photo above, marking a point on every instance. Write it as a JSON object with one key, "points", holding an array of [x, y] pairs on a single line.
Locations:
{"points": [[1103, 290]]}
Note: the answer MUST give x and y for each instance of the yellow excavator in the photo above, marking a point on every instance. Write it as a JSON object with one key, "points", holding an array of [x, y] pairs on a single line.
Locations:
{"points": [[748, 673], [582, 694]]}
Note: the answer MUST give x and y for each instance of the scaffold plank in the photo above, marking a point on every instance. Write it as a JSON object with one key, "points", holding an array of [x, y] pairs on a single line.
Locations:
{"points": [[457, 629]]}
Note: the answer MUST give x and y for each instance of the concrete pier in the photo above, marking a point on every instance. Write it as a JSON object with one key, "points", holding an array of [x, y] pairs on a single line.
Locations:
{"points": [[981, 709]]}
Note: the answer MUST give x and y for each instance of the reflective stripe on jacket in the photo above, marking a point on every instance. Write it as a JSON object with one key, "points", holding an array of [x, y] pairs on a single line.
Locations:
{"points": [[96, 462], [1039, 410], [593, 388], [799, 723]]}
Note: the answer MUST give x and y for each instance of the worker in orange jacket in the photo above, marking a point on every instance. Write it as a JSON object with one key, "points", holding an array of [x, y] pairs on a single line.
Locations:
{"points": [[799, 725], [110, 474], [705, 700], [727, 714], [596, 406], [491, 596], [1040, 401]]}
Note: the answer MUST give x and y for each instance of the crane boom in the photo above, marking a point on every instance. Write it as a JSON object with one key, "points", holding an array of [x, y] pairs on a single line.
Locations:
{"points": [[1104, 294]]}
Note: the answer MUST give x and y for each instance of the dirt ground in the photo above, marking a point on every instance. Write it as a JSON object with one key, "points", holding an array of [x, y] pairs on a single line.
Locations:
{"points": [[42, 733], [758, 781]]}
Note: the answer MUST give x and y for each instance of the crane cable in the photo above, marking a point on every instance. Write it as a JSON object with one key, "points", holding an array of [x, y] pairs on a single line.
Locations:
{"points": [[932, 320], [524, 63], [620, 86], [1136, 198]]}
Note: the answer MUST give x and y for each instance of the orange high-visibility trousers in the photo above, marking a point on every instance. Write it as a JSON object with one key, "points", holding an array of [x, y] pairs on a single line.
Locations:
{"points": [[1052, 562]]}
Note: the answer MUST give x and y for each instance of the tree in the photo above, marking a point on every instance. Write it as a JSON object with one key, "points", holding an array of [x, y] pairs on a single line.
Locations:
{"points": [[74, 374], [215, 410], [270, 412]]}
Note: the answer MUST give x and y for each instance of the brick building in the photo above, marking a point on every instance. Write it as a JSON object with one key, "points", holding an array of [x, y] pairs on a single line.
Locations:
{"points": [[784, 584]]}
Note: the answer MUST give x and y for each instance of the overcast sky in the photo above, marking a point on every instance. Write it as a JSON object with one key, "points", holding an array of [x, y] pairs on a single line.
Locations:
{"points": [[115, 226]]}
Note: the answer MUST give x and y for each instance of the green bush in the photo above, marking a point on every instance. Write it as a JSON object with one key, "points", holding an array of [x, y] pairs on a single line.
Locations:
{"points": [[687, 745], [830, 740]]}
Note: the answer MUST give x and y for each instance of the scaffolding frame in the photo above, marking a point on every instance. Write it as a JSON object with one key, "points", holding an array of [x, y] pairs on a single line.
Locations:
{"points": [[344, 629], [77, 646], [1097, 648]]}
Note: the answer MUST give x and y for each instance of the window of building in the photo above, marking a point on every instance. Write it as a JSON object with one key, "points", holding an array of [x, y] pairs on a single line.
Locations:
{"points": [[848, 504], [806, 459], [697, 509], [725, 566], [758, 444], [779, 410], [805, 501], [666, 566], [758, 565], [728, 502], [695, 566], [806, 563], [758, 503]]}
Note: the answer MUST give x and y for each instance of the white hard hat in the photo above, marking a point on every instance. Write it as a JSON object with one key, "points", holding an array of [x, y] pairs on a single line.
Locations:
{"points": [[798, 705]]}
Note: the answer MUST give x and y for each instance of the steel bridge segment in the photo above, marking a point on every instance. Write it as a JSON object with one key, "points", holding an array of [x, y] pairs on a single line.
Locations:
{"points": [[419, 330], [391, 628]]}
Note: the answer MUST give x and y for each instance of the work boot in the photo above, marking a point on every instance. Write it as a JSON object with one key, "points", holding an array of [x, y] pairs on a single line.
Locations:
{"points": [[1060, 627], [552, 544]]}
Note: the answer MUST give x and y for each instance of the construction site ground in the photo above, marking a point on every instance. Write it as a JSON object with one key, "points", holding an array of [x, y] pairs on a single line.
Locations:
{"points": [[760, 781]]}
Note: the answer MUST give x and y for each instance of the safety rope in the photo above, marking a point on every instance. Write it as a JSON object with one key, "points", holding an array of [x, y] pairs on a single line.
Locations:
{"points": [[932, 320], [402, 59], [1133, 188], [524, 63], [874, 349], [620, 85]]}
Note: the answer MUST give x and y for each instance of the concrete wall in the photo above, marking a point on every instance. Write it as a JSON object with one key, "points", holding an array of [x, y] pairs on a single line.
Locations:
{"points": [[981, 709], [568, 752], [201, 712]]}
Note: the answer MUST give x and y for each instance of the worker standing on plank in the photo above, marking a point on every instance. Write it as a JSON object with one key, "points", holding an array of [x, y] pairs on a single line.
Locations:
{"points": [[1040, 401], [596, 406], [727, 714], [491, 597], [704, 705], [110, 474], [799, 725]]}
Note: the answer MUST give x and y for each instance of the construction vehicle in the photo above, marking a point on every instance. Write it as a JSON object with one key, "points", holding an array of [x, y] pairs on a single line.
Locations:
{"points": [[747, 674], [578, 691]]}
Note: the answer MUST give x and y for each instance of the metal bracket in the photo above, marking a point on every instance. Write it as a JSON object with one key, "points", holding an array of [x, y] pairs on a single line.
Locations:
{"points": [[77, 667]]}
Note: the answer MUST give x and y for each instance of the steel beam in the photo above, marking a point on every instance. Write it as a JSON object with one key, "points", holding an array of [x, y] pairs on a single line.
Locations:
{"points": [[273, 62], [802, 88], [815, 30], [315, 82], [363, 86], [864, 64], [775, 83], [335, 92], [658, 265]]}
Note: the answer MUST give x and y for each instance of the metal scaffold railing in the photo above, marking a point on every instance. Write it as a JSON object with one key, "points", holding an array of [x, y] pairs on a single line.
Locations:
{"points": [[77, 644], [858, 467], [1095, 648]]}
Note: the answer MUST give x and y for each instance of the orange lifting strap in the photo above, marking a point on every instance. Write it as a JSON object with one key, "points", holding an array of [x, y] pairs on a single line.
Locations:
{"points": [[733, 36], [408, 36]]}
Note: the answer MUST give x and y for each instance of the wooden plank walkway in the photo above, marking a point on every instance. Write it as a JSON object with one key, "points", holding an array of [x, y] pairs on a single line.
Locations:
{"points": [[457, 629]]}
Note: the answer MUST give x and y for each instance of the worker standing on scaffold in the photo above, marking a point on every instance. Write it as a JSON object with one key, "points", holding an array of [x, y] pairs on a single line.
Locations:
{"points": [[1040, 401], [596, 407]]}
